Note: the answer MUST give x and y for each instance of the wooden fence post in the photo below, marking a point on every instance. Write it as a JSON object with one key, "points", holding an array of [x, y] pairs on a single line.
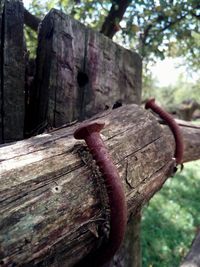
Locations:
{"points": [[79, 73], [12, 74]]}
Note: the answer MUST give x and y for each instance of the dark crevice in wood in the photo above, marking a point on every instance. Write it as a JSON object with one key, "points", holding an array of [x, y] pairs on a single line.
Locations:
{"points": [[82, 79], [117, 104], [30, 70]]}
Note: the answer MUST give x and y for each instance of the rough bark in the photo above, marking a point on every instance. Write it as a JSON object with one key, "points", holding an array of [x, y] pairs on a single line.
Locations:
{"points": [[80, 72], [193, 257], [51, 204], [12, 71]]}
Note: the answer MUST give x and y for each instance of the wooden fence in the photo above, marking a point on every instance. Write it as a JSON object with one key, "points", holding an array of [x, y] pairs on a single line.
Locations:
{"points": [[47, 219]]}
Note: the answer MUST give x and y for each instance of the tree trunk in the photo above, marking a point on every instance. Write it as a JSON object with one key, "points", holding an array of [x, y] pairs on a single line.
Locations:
{"points": [[51, 204], [115, 15]]}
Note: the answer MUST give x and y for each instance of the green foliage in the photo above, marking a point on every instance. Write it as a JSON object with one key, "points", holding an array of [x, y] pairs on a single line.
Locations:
{"points": [[154, 30], [172, 218], [31, 41], [161, 25], [91, 13], [187, 90]]}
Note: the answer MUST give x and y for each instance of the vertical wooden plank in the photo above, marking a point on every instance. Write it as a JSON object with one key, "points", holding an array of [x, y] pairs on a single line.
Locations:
{"points": [[13, 71], [55, 99], [81, 72], [1, 69]]}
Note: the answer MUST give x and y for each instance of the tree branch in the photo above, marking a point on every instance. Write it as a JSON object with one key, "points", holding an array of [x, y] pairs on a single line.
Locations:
{"points": [[160, 18], [167, 26], [149, 27], [115, 15]]}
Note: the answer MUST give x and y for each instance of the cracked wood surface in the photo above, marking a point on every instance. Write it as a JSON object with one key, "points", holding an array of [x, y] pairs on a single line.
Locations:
{"points": [[50, 208], [80, 72]]}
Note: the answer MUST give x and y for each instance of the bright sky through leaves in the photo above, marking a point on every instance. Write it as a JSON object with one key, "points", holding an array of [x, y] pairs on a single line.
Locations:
{"points": [[26, 3]]}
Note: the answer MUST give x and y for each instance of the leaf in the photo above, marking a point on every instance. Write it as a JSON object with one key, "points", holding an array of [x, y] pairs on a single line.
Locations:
{"points": [[135, 28]]}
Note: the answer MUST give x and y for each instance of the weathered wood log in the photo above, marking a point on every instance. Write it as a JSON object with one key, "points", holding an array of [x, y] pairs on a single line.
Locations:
{"points": [[193, 257], [80, 72], [52, 207], [12, 71]]}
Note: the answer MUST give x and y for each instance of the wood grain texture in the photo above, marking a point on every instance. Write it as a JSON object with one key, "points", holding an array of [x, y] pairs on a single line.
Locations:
{"points": [[189, 131], [12, 72], [51, 212], [80, 72]]}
